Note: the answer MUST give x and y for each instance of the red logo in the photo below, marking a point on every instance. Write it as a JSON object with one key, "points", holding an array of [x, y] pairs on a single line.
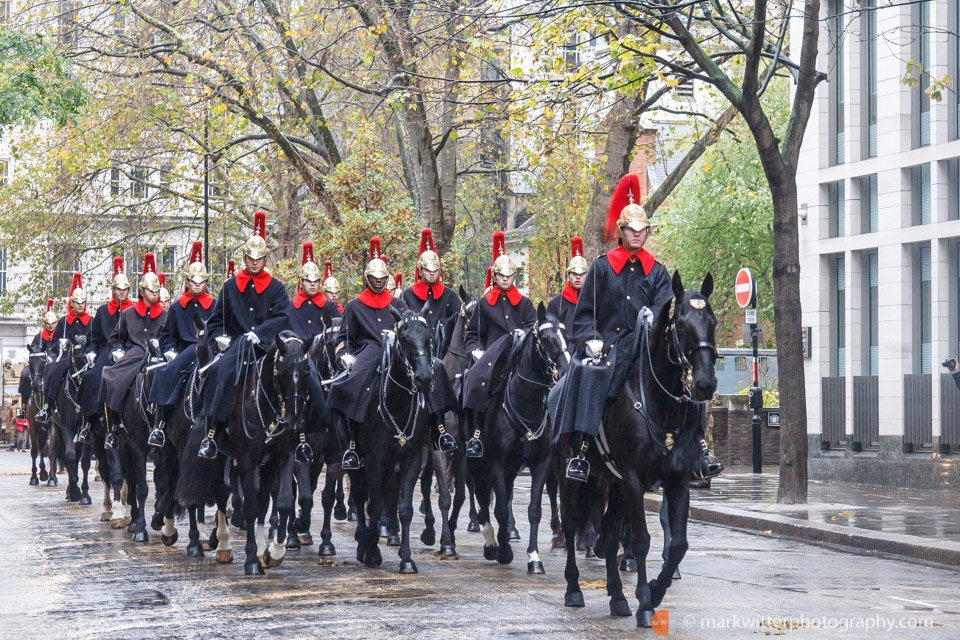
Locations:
{"points": [[661, 622]]}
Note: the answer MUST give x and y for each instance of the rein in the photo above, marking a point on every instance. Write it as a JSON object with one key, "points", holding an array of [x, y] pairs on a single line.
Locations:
{"points": [[391, 351], [533, 429]]}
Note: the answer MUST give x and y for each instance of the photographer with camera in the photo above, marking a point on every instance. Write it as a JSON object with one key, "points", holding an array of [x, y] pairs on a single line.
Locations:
{"points": [[951, 365]]}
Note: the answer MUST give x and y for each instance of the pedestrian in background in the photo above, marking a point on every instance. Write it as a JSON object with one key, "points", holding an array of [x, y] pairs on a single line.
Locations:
{"points": [[953, 366], [23, 432]]}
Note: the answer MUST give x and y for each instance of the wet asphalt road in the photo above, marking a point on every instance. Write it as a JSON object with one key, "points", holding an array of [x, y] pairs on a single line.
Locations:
{"points": [[67, 575]]}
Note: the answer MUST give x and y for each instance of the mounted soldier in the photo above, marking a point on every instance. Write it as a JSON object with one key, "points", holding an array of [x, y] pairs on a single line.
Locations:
{"points": [[129, 343], [253, 307], [331, 286], [178, 342], [41, 343], [502, 311], [76, 323], [164, 292], [309, 302], [563, 304], [437, 303], [104, 322], [625, 284]]}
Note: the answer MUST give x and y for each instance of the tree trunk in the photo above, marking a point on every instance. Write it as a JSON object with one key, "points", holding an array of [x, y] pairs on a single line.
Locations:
{"points": [[787, 316]]}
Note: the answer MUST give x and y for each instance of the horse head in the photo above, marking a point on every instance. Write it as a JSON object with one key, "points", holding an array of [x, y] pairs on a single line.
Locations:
{"points": [[694, 338], [204, 349], [291, 370], [413, 344], [551, 344], [79, 344], [327, 351], [38, 363]]}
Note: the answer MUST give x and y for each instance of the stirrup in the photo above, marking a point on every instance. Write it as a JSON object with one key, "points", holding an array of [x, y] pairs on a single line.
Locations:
{"points": [[350, 461], [578, 468], [304, 453], [710, 465], [208, 446], [84, 436], [157, 438], [474, 448], [446, 442], [110, 441], [42, 415]]}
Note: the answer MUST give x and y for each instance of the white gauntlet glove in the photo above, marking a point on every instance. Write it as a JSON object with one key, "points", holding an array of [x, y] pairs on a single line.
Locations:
{"points": [[348, 360], [116, 354], [91, 358], [170, 355], [647, 315], [155, 344], [222, 342], [477, 354], [252, 337]]}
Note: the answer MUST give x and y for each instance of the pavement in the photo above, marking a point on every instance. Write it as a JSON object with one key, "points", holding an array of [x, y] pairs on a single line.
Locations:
{"points": [[922, 525], [65, 574]]}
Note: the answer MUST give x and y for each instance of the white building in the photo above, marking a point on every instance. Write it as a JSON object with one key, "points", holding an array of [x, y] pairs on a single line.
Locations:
{"points": [[879, 194]]}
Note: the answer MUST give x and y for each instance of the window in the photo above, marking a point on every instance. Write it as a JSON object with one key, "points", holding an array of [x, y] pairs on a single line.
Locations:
{"points": [[835, 28], [839, 323], [869, 205], [921, 55], [139, 182], [920, 188], [869, 56], [119, 21], [4, 171], [3, 270], [67, 24], [114, 181], [166, 177], [684, 91], [871, 319], [922, 311], [4, 11], [571, 53], [66, 260], [837, 209]]}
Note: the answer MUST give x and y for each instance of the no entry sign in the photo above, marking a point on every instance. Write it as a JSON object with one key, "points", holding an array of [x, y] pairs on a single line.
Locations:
{"points": [[746, 288]]}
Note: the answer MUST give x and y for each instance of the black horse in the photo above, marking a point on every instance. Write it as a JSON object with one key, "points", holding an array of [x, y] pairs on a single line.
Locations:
{"points": [[515, 433], [392, 437], [68, 419], [39, 432], [649, 436]]}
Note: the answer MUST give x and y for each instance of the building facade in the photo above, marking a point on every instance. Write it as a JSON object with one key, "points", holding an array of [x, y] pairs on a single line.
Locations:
{"points": [[879, 194]]}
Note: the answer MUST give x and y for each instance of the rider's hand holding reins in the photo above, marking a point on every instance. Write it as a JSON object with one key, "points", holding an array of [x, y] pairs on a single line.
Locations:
{"points": [[223, 343], [117, 354]]}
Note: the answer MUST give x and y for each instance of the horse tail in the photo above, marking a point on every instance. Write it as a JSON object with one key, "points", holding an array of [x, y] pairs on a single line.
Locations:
{"points": [[196, 473]]}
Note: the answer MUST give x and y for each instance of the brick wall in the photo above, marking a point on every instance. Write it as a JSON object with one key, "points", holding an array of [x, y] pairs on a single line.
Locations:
{"points": [[733, 433]]}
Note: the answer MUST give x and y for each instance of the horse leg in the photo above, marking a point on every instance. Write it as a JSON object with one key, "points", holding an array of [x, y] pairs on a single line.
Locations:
{"points": [[85, 483], [474, 524], [629, 561], [358, 493], [633, 502], [408, 484], [676, 495], [51, 457], [327, 499], [194, 546], [118, 516], [284, 507], [249, 481], [502, 512], [569, 499], [34, 450], [538, 478], [511, 521], [610, 529], [429, 534], [483, 496], [457, 471], [222, 532], [340, 507], [72, 462], [375, 484], [447, 547], [300, 523], [237, 518], [140, 460], [552, 489], [390, 502], [665, 527]]}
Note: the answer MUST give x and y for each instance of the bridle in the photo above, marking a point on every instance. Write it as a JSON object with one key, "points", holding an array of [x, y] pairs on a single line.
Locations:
{"points": [[534, 428], [279, 423], [392, 350], [678, 357]]}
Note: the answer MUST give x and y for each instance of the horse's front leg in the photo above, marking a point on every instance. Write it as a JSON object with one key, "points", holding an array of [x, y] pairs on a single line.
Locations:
{"points": [[285, 506], [358, 494], [610, 527], [569, 499], [299, 528], [34, 450], [633, 503], [249, 481], [676, 495], [440, 464], [429, 534], [327, 498], [139, 458], [375, 488], [502, 512], [538, 478], [194, 546], [85, 467], [410, 471]]}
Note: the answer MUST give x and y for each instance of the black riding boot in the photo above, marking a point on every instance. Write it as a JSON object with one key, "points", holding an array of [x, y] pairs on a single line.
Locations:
{"points": [[709, 465], [351, 459], [208, 446], [304, 452], [474, 447], [578, 468], [110, 441], [157, 437], [442, 440]]}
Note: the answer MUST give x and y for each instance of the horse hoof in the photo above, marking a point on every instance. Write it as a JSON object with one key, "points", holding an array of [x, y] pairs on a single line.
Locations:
{"points": [[195, 551], [393, 540], [490, 553], [590, 552], [305, 539], [224, 556], [340, 512], [156, 522], [573, 599], [52, 482], [33, 481], [373, 559], [474, 526], [140, 536], [383, 531], [169, 540], [253, 569], [293, 542], [116, 523], [272, 562], [504, 555], [85, 500], [428, 537], [327, 550], [645, 618], [106, 516], [448, 550], [237, 520], [43, 476], [535, 568], [131, 527], [514, 535], [628, 565], [408, 566], [619, 608]]}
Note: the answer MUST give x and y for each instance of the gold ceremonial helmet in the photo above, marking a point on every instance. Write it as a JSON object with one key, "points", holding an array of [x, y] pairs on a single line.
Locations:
{"points": [[164, 294], [330, 284], [77, 294], [309, 270], [429, 258], [196, 272], [624, 210], [635, 217], [256, 246], [120, 280], [502, 264], [377, 267], [149, 279], [49, 316], [578, 264]]}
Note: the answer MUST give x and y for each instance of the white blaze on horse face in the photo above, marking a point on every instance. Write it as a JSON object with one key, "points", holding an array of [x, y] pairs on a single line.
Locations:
{"points": [[488, 538], [168, 528], [534, 556], [261, 539]]}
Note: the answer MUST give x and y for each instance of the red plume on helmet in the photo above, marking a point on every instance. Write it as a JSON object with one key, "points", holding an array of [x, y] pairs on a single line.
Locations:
{"points": [[327, 269], [196, 252], [499, 245], [231, 268], [162, 277], [489, 278], [117, 266], [77, 282], [426, 242], [398, 280], [375, 248], [576, 246], [260, 224], [49, 305], [627, 191], [307, 253], [149, 264], [384, 258]]}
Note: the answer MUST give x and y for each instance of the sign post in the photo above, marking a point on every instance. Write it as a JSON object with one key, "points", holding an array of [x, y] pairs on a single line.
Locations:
{"points": [[746, 294]]}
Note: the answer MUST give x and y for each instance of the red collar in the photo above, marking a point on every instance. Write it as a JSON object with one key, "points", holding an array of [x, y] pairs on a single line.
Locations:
{"points": [[260, 281], [205, 300], [301, 297], [512, 294], [141, 309], [570, 294], [46, 335], [113, 305], [84, 317], [619, 257], [380, 300], [340, 307], [420, 289]]}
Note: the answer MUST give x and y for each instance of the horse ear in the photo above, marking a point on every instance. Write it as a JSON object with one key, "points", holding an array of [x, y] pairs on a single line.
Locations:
{"points": [[198, 322], [677, 287], [541, 313], [463, 294], [707, 287], [397, 316], [315, 345], [281, 345], [325, 316]]}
